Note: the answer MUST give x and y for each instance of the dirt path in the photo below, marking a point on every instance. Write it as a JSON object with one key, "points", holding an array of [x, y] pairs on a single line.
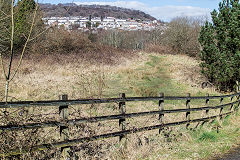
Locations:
{"points": [[232, 155]]}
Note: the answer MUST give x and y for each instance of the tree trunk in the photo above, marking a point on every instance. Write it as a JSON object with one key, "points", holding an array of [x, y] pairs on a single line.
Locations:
{"points": [[6, 91]]}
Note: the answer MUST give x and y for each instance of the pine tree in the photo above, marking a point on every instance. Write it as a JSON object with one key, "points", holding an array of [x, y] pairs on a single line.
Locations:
{"points": [[5, 20], [24, 10], [220, 41]]}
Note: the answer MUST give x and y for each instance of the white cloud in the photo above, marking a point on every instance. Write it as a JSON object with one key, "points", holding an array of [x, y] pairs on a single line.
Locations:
{"points": [[169, 12], [125, 4], [165, 13]]}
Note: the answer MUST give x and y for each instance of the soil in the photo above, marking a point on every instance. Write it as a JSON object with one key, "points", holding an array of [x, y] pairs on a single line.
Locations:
{"points": [[233, 154]]}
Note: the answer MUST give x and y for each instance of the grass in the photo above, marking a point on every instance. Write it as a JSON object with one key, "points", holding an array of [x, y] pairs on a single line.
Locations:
{"points": [[146, 75], [150, 78]]}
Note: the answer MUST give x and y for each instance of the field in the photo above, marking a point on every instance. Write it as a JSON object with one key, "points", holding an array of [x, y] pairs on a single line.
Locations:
{"points": [[144, 74]]}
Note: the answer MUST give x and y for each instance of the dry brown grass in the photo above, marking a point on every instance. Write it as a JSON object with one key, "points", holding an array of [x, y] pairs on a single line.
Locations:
{"points": [[151, 48], [46, 78], [185, 69]]}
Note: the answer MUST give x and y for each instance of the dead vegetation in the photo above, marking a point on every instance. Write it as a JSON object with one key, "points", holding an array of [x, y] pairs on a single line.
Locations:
{"points": [[46, 78], [185, 69], [60, 45]]}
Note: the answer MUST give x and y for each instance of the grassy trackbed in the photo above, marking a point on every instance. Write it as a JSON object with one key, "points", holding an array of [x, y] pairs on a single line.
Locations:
{"points": [[158, 74], [146, 75]]}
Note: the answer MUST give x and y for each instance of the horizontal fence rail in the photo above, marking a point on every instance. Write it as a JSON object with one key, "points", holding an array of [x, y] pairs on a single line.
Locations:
{"points": [[110, 117], [103, 136], [106, 100], [64, 122]]}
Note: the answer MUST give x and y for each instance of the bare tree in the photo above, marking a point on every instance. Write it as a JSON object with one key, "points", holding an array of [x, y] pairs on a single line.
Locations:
{"points": [[182, 35]]}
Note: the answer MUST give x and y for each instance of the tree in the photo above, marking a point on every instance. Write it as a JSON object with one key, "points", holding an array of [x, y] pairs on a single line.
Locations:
{"points": [[5, 10], [220, 41], [8, 73], [182, 35], [24, 10]]}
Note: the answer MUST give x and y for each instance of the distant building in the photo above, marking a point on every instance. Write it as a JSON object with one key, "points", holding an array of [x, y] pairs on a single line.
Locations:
{"points": [[107, 23]]}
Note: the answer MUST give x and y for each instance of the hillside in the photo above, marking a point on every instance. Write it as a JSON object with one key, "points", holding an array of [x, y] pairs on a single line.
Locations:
{"points": [[71, 9]]}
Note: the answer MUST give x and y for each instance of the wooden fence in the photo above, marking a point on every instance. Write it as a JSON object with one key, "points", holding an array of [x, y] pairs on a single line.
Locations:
{"points": [[64, 123]]}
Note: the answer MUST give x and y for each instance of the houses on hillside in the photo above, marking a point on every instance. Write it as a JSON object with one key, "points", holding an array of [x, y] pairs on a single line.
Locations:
{"points": [[104, 23]]}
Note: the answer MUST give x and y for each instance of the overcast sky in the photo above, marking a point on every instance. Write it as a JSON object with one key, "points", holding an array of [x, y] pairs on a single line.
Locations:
{"points": [[160, 9]]}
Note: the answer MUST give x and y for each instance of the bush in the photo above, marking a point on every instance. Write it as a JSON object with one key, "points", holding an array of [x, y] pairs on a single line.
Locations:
{"points": [[220, 42], [182, 35], [75, 44], [60, 41], [158, 48]]}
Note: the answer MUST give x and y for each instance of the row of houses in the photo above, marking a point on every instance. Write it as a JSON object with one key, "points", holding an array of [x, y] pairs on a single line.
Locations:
{"points": [[107, 23]]}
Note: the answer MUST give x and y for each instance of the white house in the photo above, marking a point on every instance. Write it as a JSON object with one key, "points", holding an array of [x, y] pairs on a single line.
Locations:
{"points": [[105, 23]]}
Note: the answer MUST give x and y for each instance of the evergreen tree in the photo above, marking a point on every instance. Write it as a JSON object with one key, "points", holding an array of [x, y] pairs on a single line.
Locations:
{"points": [[5, 20], [220, 41], [24, 11]]}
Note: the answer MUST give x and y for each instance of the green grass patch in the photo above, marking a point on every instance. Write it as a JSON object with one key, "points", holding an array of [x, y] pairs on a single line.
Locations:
{"points": [[208, 136], [151, 79], [226, 120]]}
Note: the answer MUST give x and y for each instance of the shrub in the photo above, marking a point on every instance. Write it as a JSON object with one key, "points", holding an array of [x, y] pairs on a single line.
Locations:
{"points": [[182, 35], [60, 41], [75, 44], [158, 48], [220, 41]]}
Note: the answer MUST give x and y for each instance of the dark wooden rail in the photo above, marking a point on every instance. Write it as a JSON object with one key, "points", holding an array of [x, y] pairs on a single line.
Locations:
{"points": [[98, 101], [110, 117], [64, 103]]}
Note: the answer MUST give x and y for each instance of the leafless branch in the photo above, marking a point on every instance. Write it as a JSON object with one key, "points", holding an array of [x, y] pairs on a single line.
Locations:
{"points": [[39, 34]]}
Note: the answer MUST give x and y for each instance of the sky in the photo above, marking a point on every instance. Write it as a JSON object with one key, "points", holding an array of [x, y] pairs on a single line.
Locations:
{"points": [[161, 9]]}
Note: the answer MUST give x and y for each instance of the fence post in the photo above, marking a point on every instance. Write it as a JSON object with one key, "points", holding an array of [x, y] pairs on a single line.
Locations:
{"points": [[236, 108], [237, 86], [188, 107], [207, 104], [231, 108], [221, 109], [207, 111], [238, 97], [64, 132], [122, 121], [161, 108]]}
